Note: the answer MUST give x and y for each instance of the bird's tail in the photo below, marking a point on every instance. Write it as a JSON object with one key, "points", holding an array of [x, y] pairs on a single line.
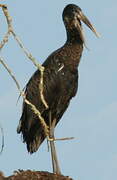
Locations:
{"points": [[33, 137]]}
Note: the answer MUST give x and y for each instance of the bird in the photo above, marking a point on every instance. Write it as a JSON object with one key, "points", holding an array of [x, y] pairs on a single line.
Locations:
{"points": [[60, 80]]}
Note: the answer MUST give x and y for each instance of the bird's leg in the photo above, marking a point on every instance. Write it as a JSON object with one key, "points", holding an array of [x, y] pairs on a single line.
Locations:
{"points": [[55, 164]]}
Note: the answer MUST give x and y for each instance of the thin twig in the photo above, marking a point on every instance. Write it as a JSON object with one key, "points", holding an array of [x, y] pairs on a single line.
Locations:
{"points": [[34, 109], [9, 20], [4, 40], [2, 132], [62, 139]]}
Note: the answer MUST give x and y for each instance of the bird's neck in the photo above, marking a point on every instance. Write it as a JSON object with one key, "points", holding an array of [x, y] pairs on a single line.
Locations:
{"points": [[73, 48], [74, 36], [72, 52]]}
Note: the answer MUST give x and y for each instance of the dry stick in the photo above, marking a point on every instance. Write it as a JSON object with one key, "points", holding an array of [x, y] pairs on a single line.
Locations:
{"points": [[29, 55], [2, 132], [5, 38], [35, 110], [61, 139], [39, 66]]}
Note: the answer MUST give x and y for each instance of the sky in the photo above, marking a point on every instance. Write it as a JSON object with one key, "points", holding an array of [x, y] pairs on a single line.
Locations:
{"points": [[92, 115]]}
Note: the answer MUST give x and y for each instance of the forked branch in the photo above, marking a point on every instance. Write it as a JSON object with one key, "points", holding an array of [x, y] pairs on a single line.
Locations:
{"points": [[29, 55]]}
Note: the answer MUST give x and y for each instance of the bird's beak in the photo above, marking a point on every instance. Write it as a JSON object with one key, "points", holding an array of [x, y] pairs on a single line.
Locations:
{"points": [[84, 19]]}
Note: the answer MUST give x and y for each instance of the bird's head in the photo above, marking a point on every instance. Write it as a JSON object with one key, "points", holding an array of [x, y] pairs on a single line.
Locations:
{"points": [[72, 17]]}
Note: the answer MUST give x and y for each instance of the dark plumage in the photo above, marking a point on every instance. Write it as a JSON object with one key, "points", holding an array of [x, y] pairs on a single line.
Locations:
{"points": [[60, 80]]}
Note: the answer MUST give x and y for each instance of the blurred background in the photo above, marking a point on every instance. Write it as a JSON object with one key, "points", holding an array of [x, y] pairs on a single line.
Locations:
{"points": [[92, 115]]}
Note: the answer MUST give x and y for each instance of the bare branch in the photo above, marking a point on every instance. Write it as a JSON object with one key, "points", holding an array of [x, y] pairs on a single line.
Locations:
{"points": [[61, 139], [35, 110], [9, 20], [2, 132], [39, 66], [29, 55], [5, 40]]}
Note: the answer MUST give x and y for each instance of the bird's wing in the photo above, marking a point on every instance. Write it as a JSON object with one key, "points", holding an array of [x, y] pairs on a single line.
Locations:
{"points": [[29, 124]]}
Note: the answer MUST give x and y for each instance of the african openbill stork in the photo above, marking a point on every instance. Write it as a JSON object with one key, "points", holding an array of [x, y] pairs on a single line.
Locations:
{"points": [[60, 81]]}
